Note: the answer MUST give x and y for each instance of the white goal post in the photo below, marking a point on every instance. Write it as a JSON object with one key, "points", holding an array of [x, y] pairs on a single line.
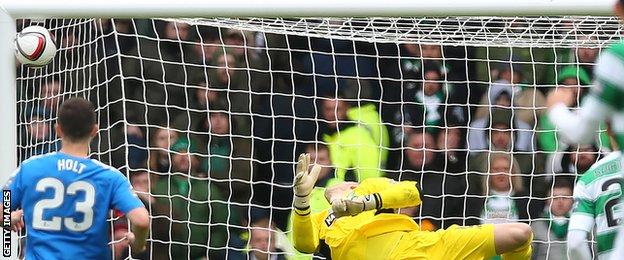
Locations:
{"points": [[234, 14]]}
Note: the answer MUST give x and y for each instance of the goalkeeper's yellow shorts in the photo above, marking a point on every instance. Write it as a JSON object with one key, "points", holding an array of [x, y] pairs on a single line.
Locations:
{"points": [[456, 242]]}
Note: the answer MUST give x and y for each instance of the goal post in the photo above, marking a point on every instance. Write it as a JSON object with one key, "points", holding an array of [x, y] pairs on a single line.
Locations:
{"points": [[8, 134], [477, 39]]}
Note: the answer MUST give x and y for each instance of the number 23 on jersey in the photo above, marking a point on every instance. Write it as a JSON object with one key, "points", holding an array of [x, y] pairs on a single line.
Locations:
{"points": [[54, 224]]}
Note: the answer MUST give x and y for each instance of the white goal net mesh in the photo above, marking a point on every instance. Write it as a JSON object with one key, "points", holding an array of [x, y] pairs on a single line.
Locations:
{"points": [[207, 117]]}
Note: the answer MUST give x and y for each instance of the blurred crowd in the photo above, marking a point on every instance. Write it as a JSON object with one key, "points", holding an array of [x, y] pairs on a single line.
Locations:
{"points": [[207, 123]]}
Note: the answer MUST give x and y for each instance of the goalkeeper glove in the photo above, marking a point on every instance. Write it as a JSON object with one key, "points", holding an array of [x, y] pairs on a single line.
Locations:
{"points": [[353, 205], [304, 184]]}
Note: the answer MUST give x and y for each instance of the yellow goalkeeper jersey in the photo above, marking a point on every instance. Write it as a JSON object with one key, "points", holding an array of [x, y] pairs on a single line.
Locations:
{"points": [[348, 236], [378, 235]]}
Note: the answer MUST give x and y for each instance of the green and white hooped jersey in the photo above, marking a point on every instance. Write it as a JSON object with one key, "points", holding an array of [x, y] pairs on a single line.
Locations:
{"points": [[609, 88], [596, 195], [499, 208]]}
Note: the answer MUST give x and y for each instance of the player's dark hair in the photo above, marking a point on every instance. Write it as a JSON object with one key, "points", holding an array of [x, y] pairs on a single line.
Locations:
{"points": [[76, 118]]}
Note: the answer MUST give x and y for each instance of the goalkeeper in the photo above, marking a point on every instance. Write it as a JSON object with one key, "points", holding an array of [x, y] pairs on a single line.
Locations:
{"points": [[362, 224]]}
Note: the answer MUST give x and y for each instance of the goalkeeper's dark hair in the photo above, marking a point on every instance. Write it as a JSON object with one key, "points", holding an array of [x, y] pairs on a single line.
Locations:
{"points": [[76, 118]]}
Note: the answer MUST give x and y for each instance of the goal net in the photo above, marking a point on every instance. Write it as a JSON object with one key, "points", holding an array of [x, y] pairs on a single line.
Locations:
{"points": [[207, 117]]}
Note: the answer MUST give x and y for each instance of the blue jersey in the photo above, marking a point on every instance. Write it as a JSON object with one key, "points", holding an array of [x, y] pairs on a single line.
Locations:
{"points": [[66, 202]]}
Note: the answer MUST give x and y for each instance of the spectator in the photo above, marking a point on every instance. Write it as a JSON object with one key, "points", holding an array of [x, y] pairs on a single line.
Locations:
{"points": [[254, 68], [137, 146], [219, 147], [451, 159], [244, 66], [236, 43], [420, 165], [550, 232], [207, 45], [331, 65], [367, 116], [184, 158], [205, 98], [209, 97], [527, 102], [185, 202], [426, 105], [352, 149], [262, 241], [501, 185], [225, 157], [573, 162], [227, 74], [451, 141], [503, 132], [160, 76], [414, 56], [237, 97], [574, 76], [39, 137], [507, 134], [419, 153], [586, 56], [51, 96], [516, 138], [142, 185], [162, 139]]}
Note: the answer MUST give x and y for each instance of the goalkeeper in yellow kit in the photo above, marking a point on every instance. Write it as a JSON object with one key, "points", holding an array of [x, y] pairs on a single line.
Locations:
{"points": [[362, 224]]}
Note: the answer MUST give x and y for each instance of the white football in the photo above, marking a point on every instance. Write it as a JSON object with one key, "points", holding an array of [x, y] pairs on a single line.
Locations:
{"points": [[34, 46]]}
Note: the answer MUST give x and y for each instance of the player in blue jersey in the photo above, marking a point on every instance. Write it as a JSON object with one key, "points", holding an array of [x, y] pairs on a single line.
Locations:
{"points": [[65, 198]]}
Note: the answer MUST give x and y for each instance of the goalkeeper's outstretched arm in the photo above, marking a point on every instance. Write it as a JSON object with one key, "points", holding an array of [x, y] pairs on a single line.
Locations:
{"points": [[374, 193], [305, 232], [399, 195]]}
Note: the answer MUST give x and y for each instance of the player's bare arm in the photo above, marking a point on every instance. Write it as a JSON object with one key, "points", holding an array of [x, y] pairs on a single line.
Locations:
{"points": [[139, 220], [17, 220]]}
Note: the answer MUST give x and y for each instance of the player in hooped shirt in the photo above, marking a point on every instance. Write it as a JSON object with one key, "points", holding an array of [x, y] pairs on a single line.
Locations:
{"points": [[64, 198]]}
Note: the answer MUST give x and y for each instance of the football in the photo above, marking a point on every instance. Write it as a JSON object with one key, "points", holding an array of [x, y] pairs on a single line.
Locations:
{"points": [[34, 46]]}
